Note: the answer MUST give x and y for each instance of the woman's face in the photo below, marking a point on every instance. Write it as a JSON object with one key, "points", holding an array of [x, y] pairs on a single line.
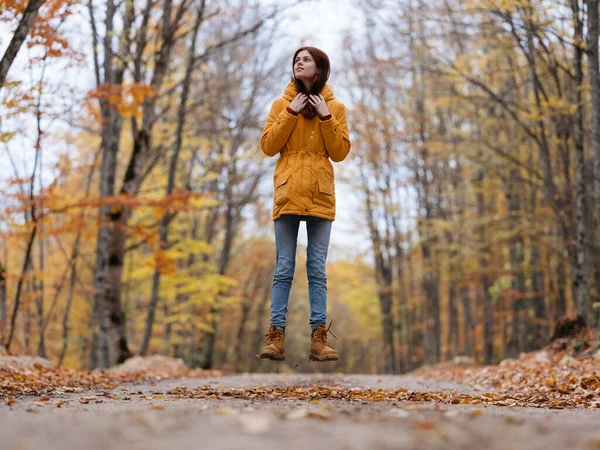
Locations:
{"points": [[305, 67]]}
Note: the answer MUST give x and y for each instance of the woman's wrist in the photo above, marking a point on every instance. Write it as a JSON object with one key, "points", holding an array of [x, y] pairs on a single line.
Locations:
{"points": [[325, 117]]}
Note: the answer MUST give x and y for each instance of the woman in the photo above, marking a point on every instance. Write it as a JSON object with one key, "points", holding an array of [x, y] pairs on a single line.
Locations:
{"points": [[308, 128]]}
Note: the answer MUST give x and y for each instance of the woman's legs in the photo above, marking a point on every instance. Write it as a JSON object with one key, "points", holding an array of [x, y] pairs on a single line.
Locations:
{"points": [[318, 232], [286, 236]]}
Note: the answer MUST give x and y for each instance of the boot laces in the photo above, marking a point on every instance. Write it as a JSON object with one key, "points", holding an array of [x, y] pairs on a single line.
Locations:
{"points": [[322, 333], [273, 335]]}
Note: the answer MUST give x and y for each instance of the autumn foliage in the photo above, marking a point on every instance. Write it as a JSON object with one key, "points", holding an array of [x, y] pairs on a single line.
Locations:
{"points": [[136, 204]]}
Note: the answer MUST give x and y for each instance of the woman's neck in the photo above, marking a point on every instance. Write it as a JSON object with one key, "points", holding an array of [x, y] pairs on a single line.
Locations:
{"points": [[307, 85]]}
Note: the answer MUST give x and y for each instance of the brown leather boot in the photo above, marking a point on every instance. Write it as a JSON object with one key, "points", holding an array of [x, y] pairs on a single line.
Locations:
{"points": [[275, 345], [319, 350]]}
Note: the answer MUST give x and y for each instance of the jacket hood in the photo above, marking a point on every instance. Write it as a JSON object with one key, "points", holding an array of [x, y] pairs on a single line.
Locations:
{"points": [[291, 92]]}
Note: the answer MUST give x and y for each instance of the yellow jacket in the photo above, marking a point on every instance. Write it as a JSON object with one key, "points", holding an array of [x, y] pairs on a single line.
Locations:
{"points": [[303, 179]]}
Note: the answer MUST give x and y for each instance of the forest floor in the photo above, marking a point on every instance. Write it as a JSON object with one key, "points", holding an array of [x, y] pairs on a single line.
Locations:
{"points": [[262, 411], [548, 399]]}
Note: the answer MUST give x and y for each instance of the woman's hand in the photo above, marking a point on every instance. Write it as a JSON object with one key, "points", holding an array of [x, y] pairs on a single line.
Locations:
{"points": [[318, 102], [299, 102]]}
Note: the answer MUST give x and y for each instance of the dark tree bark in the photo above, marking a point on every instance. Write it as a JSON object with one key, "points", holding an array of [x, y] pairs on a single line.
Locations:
{"points": [[19, 37], [467, 322], [430, 280], [15, 311], [39, 300], [540, 331], [488, 307], [516, 258], [561, 281], [404, 333], [111, 342], [580, 269], [594, 74], [2, 296], [65, 318], [261, 319], [452, 348], [168, 330], [249, 296]]}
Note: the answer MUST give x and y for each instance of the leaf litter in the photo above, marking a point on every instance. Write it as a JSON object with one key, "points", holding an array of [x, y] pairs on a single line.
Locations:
{"points": [[545, 379]]}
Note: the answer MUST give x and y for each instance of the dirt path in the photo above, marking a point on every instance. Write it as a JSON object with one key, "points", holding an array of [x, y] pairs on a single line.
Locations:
{"points": [[147, 417]]}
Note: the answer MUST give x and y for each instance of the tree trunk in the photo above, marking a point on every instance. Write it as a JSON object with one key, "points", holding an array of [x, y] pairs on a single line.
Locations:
{"points": [[260, 327], [452, 348], [430, 288], [248, 299], [15, 311], [110, 343], [402, 331], [407, 338], [2, 298], [41, 352], [488, 308], [387, 324], [27, 326], [425, 335], [111, 347], [561, 283], [65, 320], [538, 333], [517, 299], [19, 37], [113, 326], [580, 269], [540, 330], [593, 69], [513, 188], [168, 331], [467, 322]]}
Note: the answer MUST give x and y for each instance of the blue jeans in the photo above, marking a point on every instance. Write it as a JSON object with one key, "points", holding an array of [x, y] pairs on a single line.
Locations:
{"points": [[286, 235]]}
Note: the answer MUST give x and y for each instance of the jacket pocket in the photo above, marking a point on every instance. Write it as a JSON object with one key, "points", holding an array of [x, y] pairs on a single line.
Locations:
{"points": [[325, 193], [282, 187]]}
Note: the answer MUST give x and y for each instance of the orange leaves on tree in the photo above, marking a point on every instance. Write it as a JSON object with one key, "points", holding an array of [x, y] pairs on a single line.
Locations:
{"points": [[15, 103], [165, 264], [45, 30], [177, 201], [127, 99]]}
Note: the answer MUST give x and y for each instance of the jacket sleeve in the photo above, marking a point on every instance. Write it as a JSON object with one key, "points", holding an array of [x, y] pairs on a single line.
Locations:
{"points": [[277, 130], [336, 136]]}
